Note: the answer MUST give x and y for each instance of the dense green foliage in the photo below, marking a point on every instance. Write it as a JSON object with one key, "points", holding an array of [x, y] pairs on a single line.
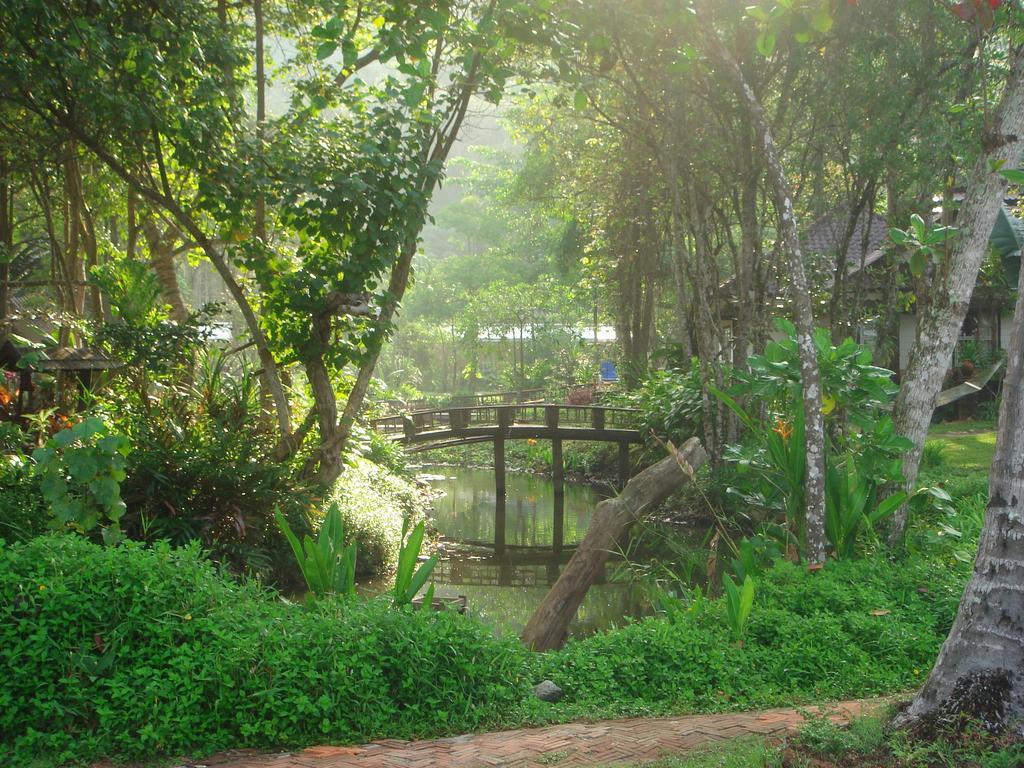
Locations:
{"points": [[856, 628], [135, 652], [131, 651], [23, 513], [373, 503], [194, 474], [865, 742], [81, 469]]}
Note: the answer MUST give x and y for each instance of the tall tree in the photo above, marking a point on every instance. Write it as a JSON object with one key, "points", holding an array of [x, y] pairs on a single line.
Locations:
{"points": [[940, 321], [979, 673]]}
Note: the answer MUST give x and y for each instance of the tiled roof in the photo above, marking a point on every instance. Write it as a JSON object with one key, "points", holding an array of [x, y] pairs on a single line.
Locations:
{"points": [[825, 235]]}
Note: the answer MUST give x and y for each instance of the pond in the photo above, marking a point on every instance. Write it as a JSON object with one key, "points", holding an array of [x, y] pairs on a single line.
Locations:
{"points": [[504, 557]]}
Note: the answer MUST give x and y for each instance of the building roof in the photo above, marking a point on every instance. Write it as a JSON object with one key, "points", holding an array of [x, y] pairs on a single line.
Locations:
{"points": [[74, 359], [825, 235], [54, 359]]}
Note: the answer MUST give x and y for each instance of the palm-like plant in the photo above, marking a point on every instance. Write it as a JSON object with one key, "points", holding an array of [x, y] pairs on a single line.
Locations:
{"points": [[409, 579], [327, 565]]}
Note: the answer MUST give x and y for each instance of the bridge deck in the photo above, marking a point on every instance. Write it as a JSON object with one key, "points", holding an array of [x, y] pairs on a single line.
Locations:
{"points": [[542, 421]]}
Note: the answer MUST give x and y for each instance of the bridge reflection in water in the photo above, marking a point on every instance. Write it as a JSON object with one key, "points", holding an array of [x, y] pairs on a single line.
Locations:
{"points": [[504, 551]]}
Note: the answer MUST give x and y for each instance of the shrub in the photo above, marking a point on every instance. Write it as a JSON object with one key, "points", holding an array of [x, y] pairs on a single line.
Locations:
{"points": [[671, 402], [81, 469], [23, 513], [194, 474], [855, 628], [373, 502], [130, 652]]}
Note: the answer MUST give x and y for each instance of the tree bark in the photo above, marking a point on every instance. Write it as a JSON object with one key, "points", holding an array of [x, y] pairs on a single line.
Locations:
{"points": [[950, 296], [549, 625], [260, 223], [6, 238], [814, 493], [161, 257], [980, 670]]}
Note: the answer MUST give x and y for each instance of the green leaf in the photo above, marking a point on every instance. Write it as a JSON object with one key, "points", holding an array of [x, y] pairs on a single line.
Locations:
{"points": [[580, 100], [784, 326], [918, 264], [766, 43], [326, 50], [822, 20], [898, 236], [746, 600], [919, 227], [757, 12], [735, 407], [1013, 175], [888, 507]]}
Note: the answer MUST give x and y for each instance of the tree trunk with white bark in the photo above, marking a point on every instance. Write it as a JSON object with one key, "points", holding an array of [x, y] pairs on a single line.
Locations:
{"points": [[814, 421], [979, 673], [939, 325]]}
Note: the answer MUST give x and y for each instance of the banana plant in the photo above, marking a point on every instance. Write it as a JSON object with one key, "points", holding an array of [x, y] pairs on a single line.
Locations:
{"points": [[408, 578], [739, 602], [327, 565]]}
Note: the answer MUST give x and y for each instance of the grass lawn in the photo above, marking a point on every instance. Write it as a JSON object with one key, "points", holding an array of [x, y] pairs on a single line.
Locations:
{"points": [[971, 451], [958, 455], [956, 427]]}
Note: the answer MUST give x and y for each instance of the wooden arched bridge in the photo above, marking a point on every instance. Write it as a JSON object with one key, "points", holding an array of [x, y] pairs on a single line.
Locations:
{"points": [[444, 427]]}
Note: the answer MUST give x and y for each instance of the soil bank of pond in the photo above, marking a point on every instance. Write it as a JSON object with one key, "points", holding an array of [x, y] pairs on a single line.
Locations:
{"points": [[505, 557]]}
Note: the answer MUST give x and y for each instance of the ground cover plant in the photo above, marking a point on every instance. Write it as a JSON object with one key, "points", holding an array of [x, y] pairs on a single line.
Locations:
{"points": [[129, 651], [736, 210], [134, 652]]}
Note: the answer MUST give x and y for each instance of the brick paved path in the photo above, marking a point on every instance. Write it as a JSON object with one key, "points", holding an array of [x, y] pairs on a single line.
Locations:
{"points": [[609, 742]]}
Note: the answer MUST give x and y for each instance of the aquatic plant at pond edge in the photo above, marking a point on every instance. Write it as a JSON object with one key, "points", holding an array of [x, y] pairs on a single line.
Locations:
{"points": [[327, 565], [408, 578]]}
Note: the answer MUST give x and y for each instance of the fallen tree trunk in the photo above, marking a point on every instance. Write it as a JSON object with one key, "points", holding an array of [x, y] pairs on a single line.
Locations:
{"points": [[549, 625]]}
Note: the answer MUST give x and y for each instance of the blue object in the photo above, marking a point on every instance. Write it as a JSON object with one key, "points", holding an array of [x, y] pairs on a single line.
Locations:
{"points": [[608, 372]]}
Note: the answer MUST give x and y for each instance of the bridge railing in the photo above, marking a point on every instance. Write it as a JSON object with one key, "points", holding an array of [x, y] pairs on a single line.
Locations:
{"points": [[549, 415], [510, 397]]}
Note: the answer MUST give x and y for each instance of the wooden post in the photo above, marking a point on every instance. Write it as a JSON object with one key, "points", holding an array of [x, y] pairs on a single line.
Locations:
{"points": [[623, 464], [500, 519], [549, 625], [558, 534], [499, 466], [597, 418], [506, 417], [551, 416], [557, 467]]}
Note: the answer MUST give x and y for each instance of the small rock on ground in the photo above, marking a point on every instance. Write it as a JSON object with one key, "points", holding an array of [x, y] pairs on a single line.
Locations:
{"points": [[548, 691]]}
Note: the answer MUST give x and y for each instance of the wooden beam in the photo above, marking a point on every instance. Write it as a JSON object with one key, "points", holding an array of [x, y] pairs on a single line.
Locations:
{"points": [[558, 534], [500, 521], [499, 466], [623, 464], [557, 467]]}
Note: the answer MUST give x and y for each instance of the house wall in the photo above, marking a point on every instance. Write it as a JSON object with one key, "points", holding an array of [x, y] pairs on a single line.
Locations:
{"points": [[908, 332]]}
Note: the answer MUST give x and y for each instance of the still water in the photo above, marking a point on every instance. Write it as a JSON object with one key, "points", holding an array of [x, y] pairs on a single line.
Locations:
{"points": [[504, 557]]}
